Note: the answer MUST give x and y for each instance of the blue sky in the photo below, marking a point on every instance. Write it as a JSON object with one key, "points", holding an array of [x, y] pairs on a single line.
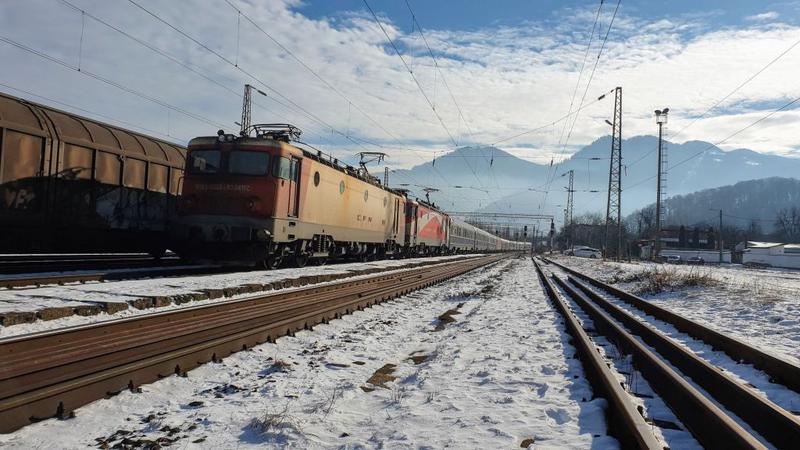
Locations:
{"points": [[475, 14], [511, 67]]}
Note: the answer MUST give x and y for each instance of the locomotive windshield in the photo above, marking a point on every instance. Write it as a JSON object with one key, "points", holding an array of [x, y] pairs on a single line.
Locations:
{"points": [[204, 161], [248, 163]]}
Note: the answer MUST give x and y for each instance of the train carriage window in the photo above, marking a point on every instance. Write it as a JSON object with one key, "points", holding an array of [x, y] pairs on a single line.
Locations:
{"points": [[341, 187], [157, 178], [77, 163], [294, 171], [248, 163], [204, 161], [22, 156], [107, 168], [282, 168], [134, 175], [175, 185], [316, 178], [366, 195]]}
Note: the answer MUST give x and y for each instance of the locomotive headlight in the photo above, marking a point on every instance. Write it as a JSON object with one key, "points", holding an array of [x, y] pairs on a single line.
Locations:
{"points": [[253, 204]]}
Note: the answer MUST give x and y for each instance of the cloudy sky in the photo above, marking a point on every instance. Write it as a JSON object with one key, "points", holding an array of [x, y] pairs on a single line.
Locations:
{"points": [[176, 69]]}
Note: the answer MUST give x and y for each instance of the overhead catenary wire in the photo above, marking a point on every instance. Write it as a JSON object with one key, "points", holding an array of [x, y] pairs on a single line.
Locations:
{"points": [[175, 60], [583, 98], [329, 85], [727, 96], [419, 86], [722, 141], [110, 82], [50, 100]]}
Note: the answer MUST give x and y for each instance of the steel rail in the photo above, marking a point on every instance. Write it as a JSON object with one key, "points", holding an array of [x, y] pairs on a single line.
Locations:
{"points": [[17, 264], [780, 370], [777, 425], [51, 373], [626, 422], [707, 422], [32, 280]]}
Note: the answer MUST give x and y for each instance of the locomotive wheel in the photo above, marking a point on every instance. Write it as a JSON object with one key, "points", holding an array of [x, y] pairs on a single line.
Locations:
{"points": [[320, 261], [300, 259], [271, 262]]}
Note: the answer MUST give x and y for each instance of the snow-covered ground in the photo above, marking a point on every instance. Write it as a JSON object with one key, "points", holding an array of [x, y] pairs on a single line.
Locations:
{"points": [[75, 295], [498, 375], [761, 306]]}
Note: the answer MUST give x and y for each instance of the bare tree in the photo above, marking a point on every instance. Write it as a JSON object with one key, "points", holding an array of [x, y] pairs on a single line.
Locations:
{"points": [[788, 224]]}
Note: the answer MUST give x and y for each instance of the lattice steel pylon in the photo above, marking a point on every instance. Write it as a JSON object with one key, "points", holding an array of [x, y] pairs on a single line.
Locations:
{"points": [[614, 205], [568, 209]]}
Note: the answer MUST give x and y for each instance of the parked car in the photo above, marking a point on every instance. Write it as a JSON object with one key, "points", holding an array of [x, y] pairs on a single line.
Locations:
{"points": [[696, 261], [587, 252], [672, 259]]}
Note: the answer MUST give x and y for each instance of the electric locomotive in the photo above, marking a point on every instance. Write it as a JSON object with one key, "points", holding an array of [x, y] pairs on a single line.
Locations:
{"points": [[261, 200]]}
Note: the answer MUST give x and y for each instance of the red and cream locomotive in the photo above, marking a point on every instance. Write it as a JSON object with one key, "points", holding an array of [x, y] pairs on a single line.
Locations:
{"points": [[259, 199]]}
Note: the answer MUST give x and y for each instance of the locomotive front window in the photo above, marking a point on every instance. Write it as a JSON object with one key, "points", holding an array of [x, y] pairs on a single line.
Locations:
{"points": [[282, 168], [248, 163], [204, 161]]}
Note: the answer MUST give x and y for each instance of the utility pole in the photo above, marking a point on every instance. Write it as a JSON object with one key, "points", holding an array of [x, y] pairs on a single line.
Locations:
{"points": [[568, 210], [720, 237], [614, 205], [661, 119]]}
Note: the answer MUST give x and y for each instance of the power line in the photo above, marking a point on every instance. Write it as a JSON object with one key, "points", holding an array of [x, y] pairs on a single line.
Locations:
{"points": [[712, 107], [330, 86], [419, 86], [716, 144], [96, 114], [586, 90], [115, 84], [174, 59]]}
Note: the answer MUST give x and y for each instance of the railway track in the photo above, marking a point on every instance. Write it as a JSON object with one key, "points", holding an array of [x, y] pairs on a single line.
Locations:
{"points": [[41, 263], [49, 374], [36, 280], [718, 410]]}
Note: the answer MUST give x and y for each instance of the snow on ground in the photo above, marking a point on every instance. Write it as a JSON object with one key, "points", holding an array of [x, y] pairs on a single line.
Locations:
{"points": [[77, 294], [760, 306], [500, 373]]}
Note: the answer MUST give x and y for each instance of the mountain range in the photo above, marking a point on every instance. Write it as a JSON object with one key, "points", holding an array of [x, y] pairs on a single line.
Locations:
{"points": [[517, 185]]}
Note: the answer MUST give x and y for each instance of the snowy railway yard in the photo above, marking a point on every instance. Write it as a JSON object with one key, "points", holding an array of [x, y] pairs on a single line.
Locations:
{"points": [[480, 360]]}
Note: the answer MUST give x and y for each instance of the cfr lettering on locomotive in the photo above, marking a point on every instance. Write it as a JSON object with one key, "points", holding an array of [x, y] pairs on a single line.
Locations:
{"points": [[363, 218]]}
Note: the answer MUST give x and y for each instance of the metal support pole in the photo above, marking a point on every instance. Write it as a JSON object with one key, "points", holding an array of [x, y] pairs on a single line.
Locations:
{"points": [[719, 234], [658, 199]]}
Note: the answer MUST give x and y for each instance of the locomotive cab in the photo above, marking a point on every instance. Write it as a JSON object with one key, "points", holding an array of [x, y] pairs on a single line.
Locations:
{"points": [[235, 190]]}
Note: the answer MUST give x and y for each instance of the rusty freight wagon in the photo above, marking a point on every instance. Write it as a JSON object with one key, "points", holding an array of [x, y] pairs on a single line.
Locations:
{"points": [[262, 200], [72, 184]]}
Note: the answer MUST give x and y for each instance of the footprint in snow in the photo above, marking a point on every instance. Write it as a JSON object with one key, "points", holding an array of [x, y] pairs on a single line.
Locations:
{"points": [[559, 415]]}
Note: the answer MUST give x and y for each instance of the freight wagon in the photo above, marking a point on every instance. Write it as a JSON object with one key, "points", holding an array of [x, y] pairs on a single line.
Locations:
{"points": [[72, 184]]}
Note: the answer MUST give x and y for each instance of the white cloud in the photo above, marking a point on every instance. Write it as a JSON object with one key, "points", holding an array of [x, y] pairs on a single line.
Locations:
{"points": [[763, 17], [506, 79]]}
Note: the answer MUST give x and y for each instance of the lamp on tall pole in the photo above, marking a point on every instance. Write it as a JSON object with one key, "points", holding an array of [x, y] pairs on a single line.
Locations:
{"points": [[661, 119], [719, 234]]}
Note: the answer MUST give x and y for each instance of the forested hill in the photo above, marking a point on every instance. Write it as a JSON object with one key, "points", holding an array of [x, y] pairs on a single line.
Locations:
{"points": [[744, 204]]}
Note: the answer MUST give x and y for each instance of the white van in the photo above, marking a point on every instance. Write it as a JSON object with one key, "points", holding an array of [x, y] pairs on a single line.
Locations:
{"points": [[587, 252]]}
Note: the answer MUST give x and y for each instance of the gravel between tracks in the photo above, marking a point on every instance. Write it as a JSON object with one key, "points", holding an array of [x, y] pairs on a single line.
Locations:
{"points": [[497, 374]]}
